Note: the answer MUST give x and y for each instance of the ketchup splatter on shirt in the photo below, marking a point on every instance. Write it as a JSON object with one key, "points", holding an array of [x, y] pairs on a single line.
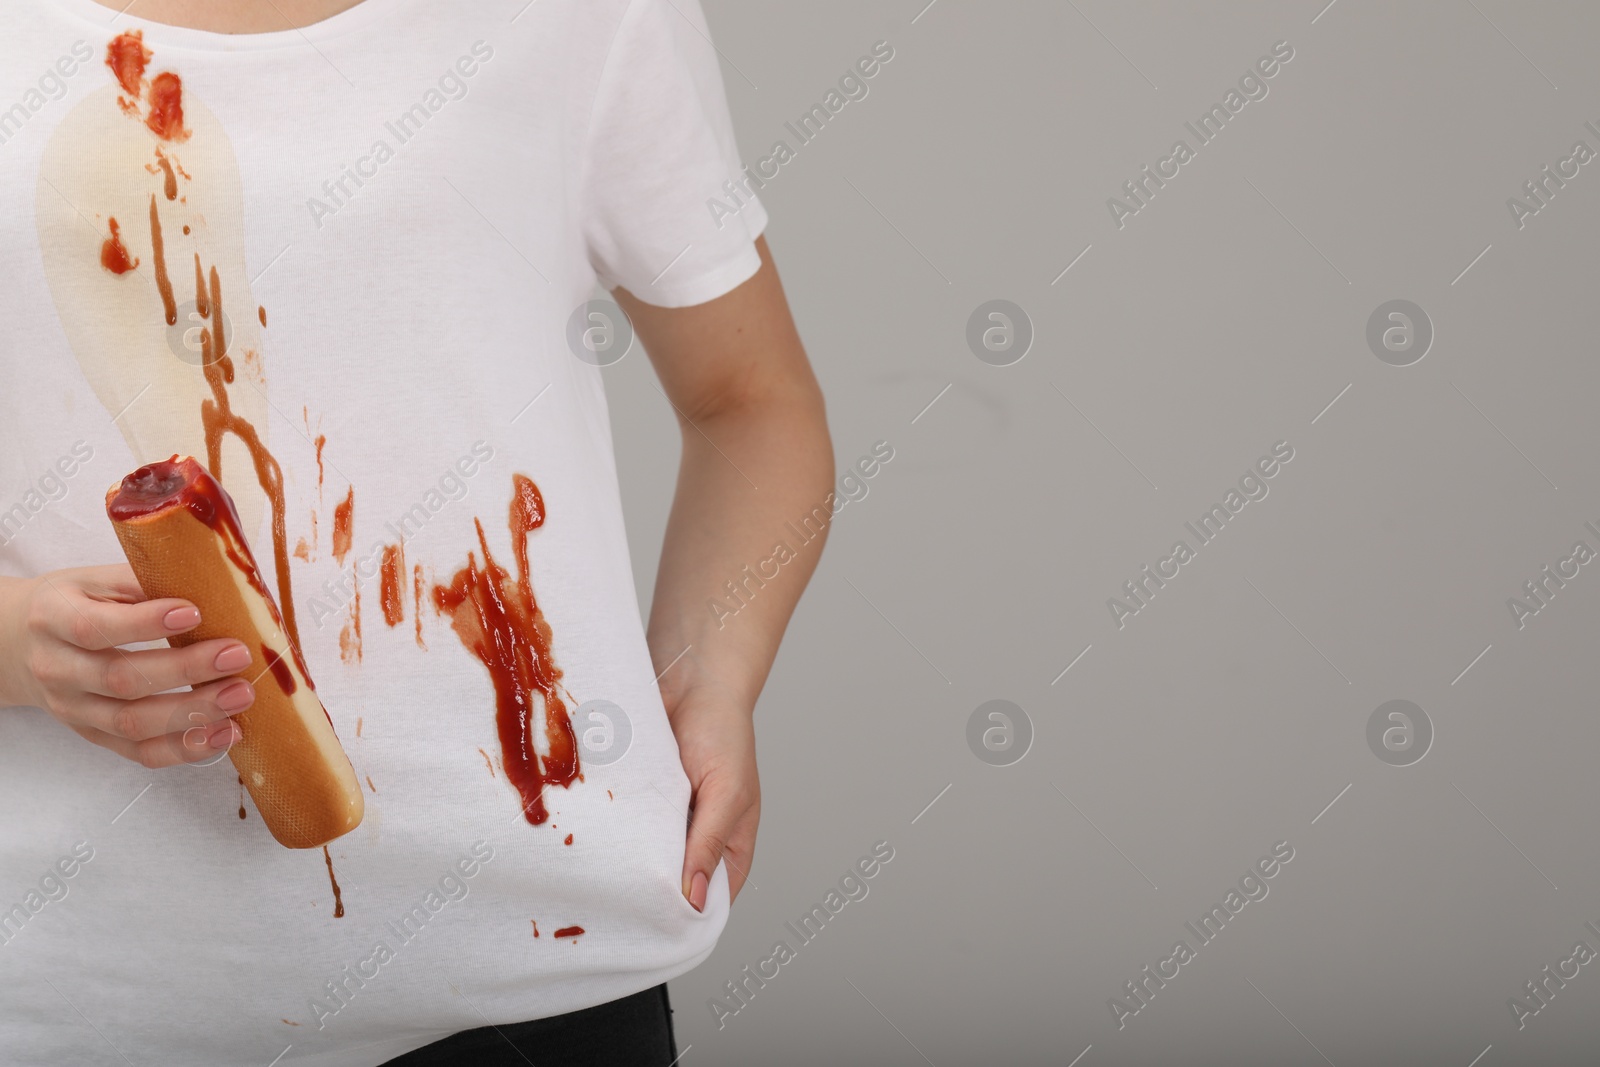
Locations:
{"points": [[343, 521], [114, 254], [502, 625], [569, 931], [127, 56], [170, 185], [158, 249], [166, 107], [416, 602], [391, 592], [338, 898]]}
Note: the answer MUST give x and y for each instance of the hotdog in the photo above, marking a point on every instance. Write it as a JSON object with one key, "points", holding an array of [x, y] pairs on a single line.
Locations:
{"points": [[182, 536]]}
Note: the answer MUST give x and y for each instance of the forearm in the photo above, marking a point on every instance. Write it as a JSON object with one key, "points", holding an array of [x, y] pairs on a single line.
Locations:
{"points": [[744, 536]]}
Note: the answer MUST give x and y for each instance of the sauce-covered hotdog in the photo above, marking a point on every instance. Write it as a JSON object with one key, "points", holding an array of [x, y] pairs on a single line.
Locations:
{"points": [[181, 534]]}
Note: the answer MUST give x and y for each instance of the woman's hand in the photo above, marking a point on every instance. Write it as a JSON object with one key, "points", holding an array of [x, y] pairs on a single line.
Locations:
{"points": [[756, 456], [717, 743], [58, 650]]}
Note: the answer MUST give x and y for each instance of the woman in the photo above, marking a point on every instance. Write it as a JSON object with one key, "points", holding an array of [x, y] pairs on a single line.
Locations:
{"points": [[345, 254]]}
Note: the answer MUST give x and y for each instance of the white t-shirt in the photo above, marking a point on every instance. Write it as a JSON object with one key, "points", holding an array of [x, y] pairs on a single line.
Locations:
{"points": [[400, 212]]}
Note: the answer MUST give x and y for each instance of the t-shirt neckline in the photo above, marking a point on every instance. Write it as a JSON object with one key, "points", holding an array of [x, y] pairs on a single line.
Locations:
{"points": [[362, 14]]}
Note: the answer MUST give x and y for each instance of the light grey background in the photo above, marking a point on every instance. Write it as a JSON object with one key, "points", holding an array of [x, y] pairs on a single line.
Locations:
{"points": [[1223, 318]]}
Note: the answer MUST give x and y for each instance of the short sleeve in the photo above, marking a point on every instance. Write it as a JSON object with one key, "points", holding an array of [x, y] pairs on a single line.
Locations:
{"points": [[667, 211]]}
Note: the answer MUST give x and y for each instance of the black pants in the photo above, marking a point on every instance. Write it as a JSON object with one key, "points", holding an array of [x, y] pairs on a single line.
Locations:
{"points": [[635, 1031]]}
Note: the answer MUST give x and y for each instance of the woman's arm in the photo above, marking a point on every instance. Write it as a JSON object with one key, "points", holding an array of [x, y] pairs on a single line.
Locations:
{"points": [[756, 455]]}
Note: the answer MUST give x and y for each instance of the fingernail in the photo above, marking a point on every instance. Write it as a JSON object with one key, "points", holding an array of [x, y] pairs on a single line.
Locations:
{"points": [[226, 735], [233, 658], [236, 697], [697, 891], [181, 619]]}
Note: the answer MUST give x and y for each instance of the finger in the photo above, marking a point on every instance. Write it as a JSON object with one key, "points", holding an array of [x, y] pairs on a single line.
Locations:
{"points": [[741, 851], [155, 716], [114, 582], [133, 675], [195, 745], [718, 807], [76, 616]]}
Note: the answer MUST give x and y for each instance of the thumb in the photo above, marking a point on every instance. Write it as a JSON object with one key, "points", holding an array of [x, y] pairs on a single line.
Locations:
{"points": [[717, 808]]}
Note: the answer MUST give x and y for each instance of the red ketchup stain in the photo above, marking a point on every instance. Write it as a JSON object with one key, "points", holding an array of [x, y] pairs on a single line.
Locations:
{"points": [[487, 762], [502, 625], [242, 813], [569, 931], [166, 107], [569, 839], [343, 521], [126, 55], [280, 670], [338, 898], [416, 602], [535, 927], [170, 185], [114, 254], [261, 312], [302, 550], [390, 591]]}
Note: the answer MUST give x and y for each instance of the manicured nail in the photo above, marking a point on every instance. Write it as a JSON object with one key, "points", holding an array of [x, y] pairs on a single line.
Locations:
{"points": [[227, 735], [181, 619], [697, 891], [236, 697], [233, 658]]}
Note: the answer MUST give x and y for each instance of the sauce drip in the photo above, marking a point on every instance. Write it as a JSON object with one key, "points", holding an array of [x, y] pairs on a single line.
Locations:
{"points": [[126, 55], [166, 107], [568, 840], [390, 591], [280, 670], [569, 931], [261, 312], [170, 187], [503, 626], [242, 813], [535, 927], [338, 898], [158, 250], [343, 522], [370, 785], [218, 418], [416, 602], [114, 254]]}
